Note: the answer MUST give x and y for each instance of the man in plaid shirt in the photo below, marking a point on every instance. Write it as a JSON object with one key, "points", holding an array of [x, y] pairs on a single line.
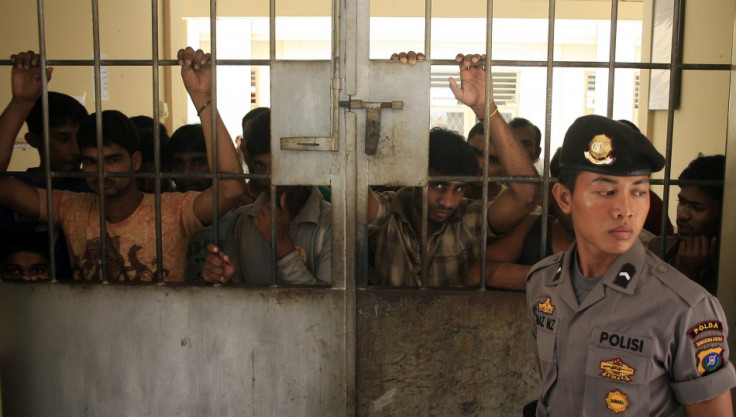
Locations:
{"points": [[454, 224]]}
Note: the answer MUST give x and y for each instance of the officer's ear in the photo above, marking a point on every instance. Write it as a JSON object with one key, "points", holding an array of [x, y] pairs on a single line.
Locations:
{"points": [[563, 196]]}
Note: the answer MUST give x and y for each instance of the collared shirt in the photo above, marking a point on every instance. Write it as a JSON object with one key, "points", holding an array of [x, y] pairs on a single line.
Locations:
{"points": [[451, 249], [645, 340], [311, 232]]}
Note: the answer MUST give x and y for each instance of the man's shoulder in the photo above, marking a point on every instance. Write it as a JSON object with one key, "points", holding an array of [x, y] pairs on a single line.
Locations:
{"points": [[666, 276], [548, 266], [173, 199]]}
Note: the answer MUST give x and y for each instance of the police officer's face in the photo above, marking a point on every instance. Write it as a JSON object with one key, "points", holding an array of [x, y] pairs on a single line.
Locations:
{"points": [[608, 212], [697, 213]]}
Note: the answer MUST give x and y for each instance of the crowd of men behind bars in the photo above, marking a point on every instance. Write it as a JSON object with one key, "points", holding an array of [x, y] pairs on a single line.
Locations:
{"points": [[603, 170], [303, 227]]}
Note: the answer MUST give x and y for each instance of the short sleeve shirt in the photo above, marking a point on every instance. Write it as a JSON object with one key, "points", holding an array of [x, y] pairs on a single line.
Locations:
{"points": [[311, 232], [644, 341], [131, 243], [451, 250]]}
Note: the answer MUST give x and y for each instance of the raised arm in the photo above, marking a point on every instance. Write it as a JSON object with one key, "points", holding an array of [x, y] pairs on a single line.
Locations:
{"points": [[514, 203], [197, 76], [26, 88]]}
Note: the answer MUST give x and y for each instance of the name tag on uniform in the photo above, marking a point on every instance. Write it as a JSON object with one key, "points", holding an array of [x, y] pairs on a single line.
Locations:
{"points": [[617, 340]]}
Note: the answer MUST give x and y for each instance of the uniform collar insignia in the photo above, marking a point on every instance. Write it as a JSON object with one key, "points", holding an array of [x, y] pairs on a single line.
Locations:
{"points": [[625, 275], [558, 273], [599, 150]]}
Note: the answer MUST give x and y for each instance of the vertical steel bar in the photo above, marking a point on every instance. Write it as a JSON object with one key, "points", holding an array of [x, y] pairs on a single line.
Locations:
{"points": [[336, 81], [156, 141], [100, 157], [675, 60], [213, 109], [273, 200], [612, 57], [486, 138], [46, 140], [272, 30], [551, 18], [272, 57], [427, 28], [424, 237]]}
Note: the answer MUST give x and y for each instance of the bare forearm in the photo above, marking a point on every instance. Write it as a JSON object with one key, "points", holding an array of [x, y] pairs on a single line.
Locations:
{"points": [[514, 158], [507, 276], [11, 120], [520, 198], [230, 190], [227, 157]]}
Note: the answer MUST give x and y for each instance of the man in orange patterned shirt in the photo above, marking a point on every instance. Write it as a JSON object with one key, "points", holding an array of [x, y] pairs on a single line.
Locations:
{"points": [[129, 213]]}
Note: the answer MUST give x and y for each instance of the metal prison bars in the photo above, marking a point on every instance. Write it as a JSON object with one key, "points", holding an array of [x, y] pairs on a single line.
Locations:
{"points": [[676, 66]]}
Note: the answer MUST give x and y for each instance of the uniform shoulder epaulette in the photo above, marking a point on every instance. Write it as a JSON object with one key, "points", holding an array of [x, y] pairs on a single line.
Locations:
{"points": [[552, 260], [670, 277]]}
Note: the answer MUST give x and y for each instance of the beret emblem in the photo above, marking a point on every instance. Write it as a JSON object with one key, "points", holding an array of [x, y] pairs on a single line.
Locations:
{"points": [[599, 150]]}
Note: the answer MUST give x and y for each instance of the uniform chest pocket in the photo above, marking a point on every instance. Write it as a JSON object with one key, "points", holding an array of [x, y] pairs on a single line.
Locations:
{"points": [[617, 375]]}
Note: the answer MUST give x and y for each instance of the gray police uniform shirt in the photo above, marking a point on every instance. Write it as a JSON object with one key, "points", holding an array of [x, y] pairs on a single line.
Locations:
{"points": [[311, 232], [645, 340]]}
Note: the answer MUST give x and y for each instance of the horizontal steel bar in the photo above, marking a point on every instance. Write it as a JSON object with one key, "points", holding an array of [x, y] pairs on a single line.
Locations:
{"points": [[593, 64], [139, 62], [497, 63]]}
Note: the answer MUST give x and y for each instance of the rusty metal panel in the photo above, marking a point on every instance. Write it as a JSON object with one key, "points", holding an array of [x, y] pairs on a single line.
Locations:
{"points": [[78, 350], [301, 106], [427, 353], [403, 147]]}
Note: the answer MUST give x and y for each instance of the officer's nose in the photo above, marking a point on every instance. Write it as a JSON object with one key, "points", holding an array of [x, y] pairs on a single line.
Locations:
{"points": [[624, 206]]}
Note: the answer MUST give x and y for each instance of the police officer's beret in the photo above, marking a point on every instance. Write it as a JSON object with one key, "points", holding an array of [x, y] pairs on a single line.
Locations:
{"points": [[599, 144]]}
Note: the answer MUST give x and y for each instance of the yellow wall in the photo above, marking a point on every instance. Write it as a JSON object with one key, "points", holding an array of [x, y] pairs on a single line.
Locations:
{"points": [[701, 120], [700, 123]]}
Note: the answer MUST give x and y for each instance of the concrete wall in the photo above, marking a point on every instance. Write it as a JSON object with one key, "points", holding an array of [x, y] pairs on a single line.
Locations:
{"points": [[443, 354], [104, 350]]}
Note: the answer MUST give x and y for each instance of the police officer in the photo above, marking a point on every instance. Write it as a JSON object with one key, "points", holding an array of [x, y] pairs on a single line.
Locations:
{"points": [[617, 331]]}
